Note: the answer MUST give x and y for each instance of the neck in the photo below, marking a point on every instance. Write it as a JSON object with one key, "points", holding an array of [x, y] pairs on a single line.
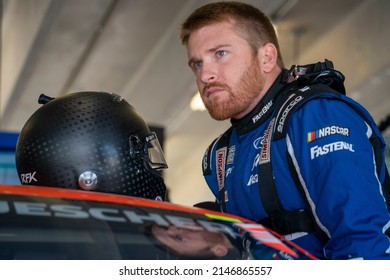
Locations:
{"points": [[269, 81]]}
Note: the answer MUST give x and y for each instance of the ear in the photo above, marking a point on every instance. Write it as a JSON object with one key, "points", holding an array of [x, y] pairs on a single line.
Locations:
{"points": [[268, 56], [219, 250]]}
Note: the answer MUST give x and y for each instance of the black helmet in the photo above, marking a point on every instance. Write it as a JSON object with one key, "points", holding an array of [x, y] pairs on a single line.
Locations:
{"points": [[93, 141]]}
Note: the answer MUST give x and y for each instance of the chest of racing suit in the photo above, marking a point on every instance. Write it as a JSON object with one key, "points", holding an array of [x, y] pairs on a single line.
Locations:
{"points": [[330, 148]]}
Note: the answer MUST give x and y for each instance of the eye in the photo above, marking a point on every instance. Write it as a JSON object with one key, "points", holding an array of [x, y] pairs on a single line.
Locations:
{"points": [[196, 65], [220, 53], [179, 237]]}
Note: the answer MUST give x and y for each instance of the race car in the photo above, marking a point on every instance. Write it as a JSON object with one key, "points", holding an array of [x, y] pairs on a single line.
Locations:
{"points": [[61, 224]]}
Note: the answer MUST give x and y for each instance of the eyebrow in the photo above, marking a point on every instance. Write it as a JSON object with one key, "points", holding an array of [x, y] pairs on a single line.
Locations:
{"points": [[211, 50]]}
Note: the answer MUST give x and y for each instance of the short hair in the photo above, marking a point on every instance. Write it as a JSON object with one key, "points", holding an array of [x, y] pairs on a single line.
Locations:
{"points": [[251, 24]]}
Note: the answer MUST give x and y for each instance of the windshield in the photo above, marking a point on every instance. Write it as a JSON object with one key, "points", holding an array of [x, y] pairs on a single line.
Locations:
{"points": [[34, 227]]}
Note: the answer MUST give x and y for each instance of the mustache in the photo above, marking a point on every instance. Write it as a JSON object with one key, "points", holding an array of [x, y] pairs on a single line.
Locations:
{"points": [[214, 85]]}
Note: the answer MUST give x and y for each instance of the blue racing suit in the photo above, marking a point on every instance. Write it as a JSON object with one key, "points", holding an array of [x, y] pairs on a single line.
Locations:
{"points": [[330, 148]]}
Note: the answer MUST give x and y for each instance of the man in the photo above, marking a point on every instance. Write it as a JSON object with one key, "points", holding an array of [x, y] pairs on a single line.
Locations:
{"points": [[194, 244], [234, 54]]}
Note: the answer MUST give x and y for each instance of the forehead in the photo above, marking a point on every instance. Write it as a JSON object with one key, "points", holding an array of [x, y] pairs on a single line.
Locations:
{"points": [[212, 35]]}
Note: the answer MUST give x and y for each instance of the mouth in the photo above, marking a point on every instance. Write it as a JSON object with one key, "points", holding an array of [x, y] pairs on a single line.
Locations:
{"points": [[211, 91]]}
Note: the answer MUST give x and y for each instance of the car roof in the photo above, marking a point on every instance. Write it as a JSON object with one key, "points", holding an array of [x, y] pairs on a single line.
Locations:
{"points": [[108, 197]]}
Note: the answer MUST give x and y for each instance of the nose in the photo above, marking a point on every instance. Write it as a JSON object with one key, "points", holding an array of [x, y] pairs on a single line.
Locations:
{"points": [[172, 230], [208, 73]]}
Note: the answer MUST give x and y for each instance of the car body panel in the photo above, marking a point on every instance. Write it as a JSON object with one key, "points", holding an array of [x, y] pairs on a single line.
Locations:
{"points": [[54, 223]]}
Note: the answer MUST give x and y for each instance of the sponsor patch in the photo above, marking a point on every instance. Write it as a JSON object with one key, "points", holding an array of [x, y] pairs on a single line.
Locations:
{"points": [[262, 112], [265, 149], [206, 165], [258, 143], [229, 171], [327, 131], [286, 110], [220, 164], [231, 152], [318, 151], [253, 179], [205, 162]]}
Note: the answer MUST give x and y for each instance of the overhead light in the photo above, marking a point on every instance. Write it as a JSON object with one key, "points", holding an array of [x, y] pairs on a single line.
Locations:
{"points": [[197, 103]]}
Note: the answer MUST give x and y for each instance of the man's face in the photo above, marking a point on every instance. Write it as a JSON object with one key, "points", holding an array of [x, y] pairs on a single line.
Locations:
{"points": [[185, 241], [227, 72]]}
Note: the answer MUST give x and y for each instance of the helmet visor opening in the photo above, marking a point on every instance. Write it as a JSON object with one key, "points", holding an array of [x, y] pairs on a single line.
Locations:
{"points": [[156, 159]]}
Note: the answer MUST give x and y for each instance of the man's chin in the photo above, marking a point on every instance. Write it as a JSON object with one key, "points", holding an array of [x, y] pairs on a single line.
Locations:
{"points": [[220, 113], [219, 116]]}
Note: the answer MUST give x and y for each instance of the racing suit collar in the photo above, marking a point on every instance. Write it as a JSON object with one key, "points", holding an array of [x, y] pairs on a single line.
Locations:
{"points": [[263, 109]]}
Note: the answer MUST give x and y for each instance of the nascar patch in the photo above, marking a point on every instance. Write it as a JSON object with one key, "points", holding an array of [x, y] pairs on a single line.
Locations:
{"points": [[327, 131]]}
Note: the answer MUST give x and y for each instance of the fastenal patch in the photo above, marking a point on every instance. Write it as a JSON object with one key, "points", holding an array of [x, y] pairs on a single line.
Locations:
{"points": [[327, 131], [317, 151]]}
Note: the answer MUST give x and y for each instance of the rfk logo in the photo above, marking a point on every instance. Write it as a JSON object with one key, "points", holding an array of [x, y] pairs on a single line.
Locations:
{"points": [[27, 178]]}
